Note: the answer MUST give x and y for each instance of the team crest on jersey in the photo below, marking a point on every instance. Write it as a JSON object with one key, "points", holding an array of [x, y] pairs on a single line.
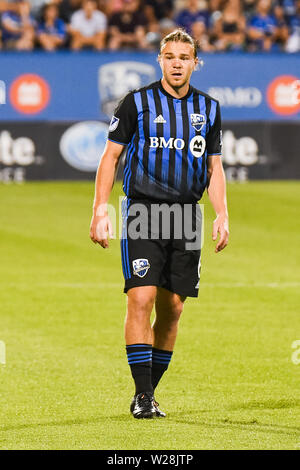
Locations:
{"points": [[113, 124], [197, 121], [140, 267]]}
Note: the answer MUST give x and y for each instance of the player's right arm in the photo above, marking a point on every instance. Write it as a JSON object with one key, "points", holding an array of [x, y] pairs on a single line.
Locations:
{"points": [[121, 130], [101, 227]]}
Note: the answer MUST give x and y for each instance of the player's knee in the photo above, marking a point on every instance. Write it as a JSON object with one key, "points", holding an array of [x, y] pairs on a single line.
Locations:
{"points": [[176, 311], [140, 302], [173, 313]]}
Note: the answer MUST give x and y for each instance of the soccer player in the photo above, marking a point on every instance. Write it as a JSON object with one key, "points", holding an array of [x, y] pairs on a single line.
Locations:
{"points": [[173, 136]]}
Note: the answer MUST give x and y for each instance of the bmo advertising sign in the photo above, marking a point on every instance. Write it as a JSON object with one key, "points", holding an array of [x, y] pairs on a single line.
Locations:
{"points": [[283, 95], [66, 87], [29, 94]]}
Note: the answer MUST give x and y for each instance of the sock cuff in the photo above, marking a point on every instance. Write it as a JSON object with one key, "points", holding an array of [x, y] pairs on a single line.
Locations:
{"points": [[160, 356], [139, 353], [161, 351]]}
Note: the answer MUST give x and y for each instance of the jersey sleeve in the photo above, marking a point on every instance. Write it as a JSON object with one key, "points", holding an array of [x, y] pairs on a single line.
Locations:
{"points": [[214, 137], [123, 123]]}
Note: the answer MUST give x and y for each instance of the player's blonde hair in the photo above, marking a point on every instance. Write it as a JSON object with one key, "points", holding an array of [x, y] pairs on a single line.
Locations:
{"points": [[179, 35]]}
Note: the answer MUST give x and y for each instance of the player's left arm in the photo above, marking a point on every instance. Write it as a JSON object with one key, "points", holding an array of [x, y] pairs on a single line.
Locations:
{"points": [[216, 186], [217, 195]]}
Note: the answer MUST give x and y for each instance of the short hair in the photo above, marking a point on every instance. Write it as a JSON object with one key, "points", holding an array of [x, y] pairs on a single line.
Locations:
{"points": [[179, 35]]}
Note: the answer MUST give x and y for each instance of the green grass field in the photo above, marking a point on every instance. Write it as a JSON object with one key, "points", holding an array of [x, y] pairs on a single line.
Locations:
{"points": [[66, 383]]}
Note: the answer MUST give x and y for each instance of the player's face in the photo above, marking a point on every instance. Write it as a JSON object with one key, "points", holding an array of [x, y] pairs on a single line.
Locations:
{"points": [[177, 63]]}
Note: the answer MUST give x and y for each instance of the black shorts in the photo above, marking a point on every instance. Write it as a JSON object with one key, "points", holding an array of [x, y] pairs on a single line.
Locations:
{"points": [[156, 251]]}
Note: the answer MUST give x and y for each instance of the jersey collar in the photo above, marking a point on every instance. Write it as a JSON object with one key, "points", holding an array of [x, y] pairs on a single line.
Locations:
{"points": [[173, 97]]}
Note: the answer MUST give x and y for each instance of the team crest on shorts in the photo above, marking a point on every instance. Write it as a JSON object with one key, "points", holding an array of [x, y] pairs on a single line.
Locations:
{"points": [[140, 267], [197, 121]]}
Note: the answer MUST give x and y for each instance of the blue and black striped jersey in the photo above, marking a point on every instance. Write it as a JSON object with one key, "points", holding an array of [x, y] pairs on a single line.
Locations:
{"points": [[168, 142]]}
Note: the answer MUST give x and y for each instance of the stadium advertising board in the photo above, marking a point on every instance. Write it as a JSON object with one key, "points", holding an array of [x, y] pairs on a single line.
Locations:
{"points": [[86, 86], [71, 151]]}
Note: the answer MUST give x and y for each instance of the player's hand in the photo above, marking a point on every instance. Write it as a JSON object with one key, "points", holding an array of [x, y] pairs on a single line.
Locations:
{"points": [[221, 226], [101, 230]]}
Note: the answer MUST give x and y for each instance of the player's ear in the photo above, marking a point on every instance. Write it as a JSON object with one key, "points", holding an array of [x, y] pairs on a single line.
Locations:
{"points": [[196, 64]]}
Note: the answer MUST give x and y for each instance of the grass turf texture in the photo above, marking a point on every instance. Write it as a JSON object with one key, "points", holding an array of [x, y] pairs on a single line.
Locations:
{"points": [[66, 385]]}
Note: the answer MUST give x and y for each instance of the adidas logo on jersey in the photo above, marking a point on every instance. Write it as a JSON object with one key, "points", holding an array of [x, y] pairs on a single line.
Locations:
{"points": [[159, 120]]}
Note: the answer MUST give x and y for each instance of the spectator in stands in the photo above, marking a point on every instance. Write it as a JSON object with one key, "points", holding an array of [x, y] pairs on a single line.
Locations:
{"points": [[229, 29], [159, 14], [36, 6], [51, 32], [18, 28], [215, 13], [293, 42], [128, 27], [88, 27], [110, 7], [289, 8], [7, 6], [157, 10], [195, 11], [262, 28], [166, 26], [249, 8], [282, 32], [67, 8], [217, 25], [200, 33]]}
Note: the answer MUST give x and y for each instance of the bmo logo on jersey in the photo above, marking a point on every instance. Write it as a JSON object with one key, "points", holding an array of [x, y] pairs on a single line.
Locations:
{"points": [[171, 143]]}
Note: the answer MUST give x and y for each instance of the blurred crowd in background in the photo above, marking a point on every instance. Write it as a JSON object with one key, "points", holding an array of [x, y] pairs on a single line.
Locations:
{"points": [[217, 25]]}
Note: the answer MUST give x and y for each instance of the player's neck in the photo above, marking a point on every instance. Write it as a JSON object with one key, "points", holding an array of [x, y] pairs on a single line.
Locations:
{"points": [[177, 92]]}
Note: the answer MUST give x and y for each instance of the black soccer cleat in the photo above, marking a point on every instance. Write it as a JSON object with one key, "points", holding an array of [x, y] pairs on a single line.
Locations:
{"points": [[132, 404], [158, 412], [142, 406]]}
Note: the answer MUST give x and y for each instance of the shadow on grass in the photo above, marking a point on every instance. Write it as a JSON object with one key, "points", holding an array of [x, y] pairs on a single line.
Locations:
{"points": [[190, 417], [257, 426], [267, 404], [225, 423], [68, 422]]}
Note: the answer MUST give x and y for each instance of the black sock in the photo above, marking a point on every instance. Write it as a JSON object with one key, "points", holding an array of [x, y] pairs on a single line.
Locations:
{"points": [[160, 363], [140, 362]]}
